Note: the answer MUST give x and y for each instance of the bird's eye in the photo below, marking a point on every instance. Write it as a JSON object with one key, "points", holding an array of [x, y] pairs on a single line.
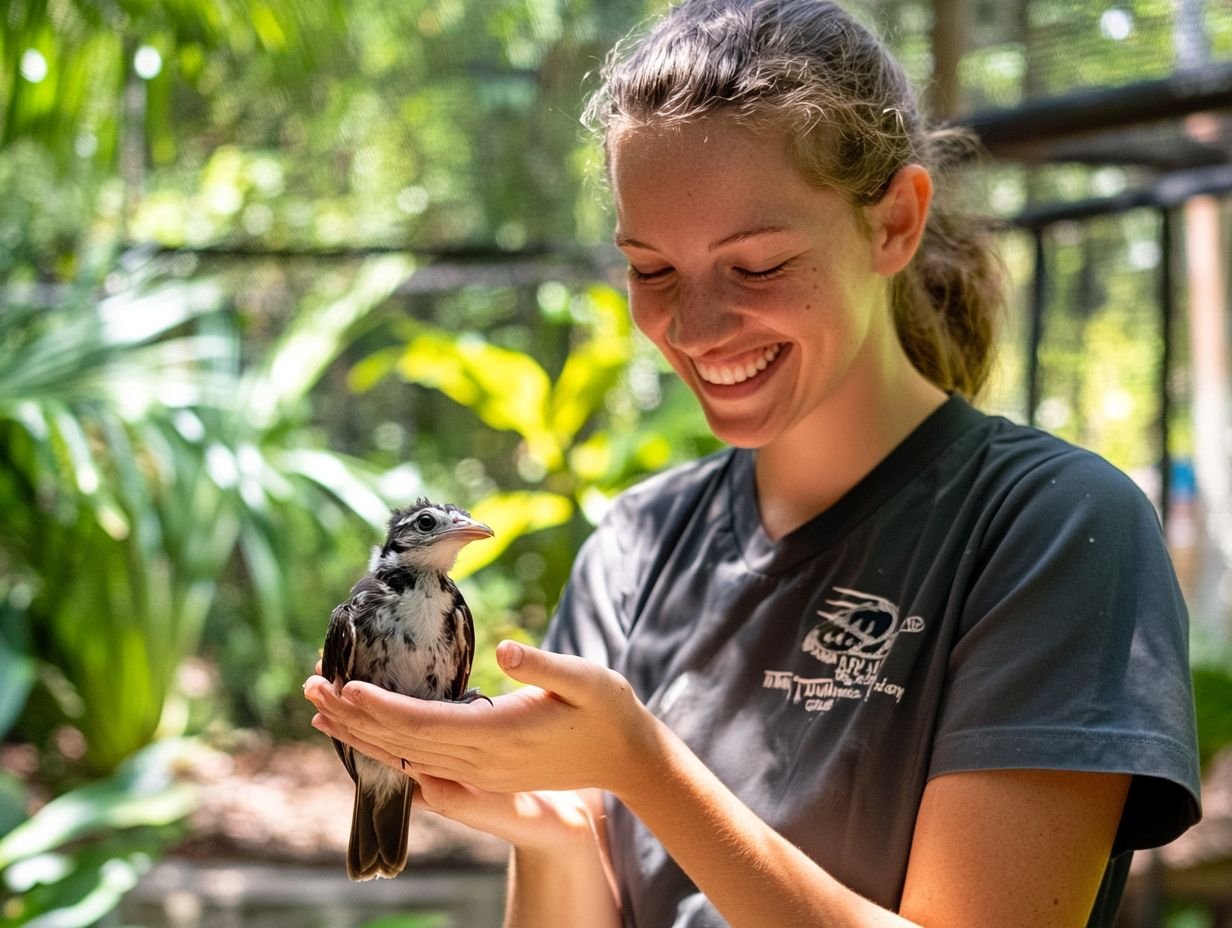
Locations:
{"points": [[425, 523]]}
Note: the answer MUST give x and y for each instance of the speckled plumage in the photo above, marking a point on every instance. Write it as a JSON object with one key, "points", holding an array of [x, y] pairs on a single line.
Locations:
{"points": [[405, 627]]}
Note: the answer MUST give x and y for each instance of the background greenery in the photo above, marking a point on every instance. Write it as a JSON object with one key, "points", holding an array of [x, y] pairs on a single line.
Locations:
{"points": [[268, 268]]}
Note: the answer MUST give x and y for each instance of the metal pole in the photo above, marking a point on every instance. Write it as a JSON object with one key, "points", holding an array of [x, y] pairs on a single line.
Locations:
{"points": [[1039, 297], [1167, 311]]}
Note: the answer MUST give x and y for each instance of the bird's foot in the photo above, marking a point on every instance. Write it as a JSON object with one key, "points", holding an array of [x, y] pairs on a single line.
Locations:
{"points": [[470, 696]]}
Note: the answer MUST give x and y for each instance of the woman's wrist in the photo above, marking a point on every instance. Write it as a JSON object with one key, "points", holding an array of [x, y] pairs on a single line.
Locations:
{"points": [[555, 824], [641, 749]]}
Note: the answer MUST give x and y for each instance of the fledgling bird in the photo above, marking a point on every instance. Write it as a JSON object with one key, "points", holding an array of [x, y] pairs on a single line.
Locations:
{"points": [[405, 627]]}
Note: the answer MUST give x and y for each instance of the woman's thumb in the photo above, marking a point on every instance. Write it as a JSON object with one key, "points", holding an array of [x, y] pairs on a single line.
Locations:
{"points": [[562, 674]]}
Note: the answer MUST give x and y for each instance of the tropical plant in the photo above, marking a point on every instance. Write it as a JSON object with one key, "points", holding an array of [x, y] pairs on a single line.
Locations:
{"points": [[87, 79], [138, 460], [575, 450], [71, 863]]}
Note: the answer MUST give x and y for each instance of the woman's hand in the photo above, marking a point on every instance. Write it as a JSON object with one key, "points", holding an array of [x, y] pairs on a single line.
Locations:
{"points": [[562, 822], [516, 769], [576, 725]]}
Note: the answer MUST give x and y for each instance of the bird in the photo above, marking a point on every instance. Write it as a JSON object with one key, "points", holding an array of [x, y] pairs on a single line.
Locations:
{"points": [[404, 627]]}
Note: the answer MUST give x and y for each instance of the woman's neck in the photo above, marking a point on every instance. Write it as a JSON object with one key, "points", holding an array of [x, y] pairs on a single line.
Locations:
{"points": [[805, 471]]}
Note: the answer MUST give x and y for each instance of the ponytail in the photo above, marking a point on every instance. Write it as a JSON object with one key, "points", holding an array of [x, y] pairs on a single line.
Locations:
{"points": [[948, 300]]}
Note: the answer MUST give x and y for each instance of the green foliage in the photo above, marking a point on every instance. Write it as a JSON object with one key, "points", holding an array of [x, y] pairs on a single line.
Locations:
{"points": [[431, 920], [510, 390], [139, 465], [18, 668], [70, 863], [1213, 698], [69, 71], [566, 449]]}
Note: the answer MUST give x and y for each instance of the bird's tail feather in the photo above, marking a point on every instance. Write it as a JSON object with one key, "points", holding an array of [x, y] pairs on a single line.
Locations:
{"points": [[378, 832]]}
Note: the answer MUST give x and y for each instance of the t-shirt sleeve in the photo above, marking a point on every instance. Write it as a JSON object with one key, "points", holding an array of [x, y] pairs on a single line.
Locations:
{"points": [[1072, 652]]}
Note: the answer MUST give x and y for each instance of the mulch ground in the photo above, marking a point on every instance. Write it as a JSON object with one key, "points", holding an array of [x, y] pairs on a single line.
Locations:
{"points": [[292, 802]]}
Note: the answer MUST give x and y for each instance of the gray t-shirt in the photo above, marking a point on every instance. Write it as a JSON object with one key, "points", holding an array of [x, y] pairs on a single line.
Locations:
{"points": [[987, 597]]}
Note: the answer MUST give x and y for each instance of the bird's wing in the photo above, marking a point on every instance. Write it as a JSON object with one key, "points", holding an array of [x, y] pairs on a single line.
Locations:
{"points": [[338, 656], [464, 641], [339, 651]]}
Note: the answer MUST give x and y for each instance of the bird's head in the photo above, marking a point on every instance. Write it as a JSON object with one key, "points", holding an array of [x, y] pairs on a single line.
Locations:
{"points": [[428, 536]]}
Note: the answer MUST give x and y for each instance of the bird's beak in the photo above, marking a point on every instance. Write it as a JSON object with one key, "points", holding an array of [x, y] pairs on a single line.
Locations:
{"points": [[467, 529]]}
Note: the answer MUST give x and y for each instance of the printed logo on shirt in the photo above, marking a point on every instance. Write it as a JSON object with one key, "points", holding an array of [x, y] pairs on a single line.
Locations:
{"points": [[852, 642]]}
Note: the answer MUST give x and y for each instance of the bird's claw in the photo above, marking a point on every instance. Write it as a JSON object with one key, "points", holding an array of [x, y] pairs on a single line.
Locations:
{"points": [[470, 696]]}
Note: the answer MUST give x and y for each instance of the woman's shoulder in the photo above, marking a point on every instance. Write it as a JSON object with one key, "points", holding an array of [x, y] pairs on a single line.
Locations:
{"points": [[1031, 488], [1029, 467]]}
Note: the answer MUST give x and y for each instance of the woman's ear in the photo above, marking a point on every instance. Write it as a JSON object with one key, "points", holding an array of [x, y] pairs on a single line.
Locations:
{"points": [[897, 220]]}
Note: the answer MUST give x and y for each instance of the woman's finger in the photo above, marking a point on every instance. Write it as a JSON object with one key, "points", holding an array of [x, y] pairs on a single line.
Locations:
{"points": [[575, 680], [380, 713], [324, 724], [410, 759]]}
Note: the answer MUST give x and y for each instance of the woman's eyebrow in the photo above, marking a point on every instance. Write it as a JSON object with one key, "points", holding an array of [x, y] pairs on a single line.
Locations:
{"points": [[624, 241], [746, 234]]}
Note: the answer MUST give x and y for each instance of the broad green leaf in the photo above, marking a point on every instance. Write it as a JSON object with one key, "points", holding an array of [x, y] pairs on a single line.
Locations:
{"points": [[510, 516], [78, 887], [350, 481], [595, 366], [507, 389], [12, 802], [140, 792], [316, 336], [367, 373], [590, 371], [17, 665], [610, 312], [137, 316]]}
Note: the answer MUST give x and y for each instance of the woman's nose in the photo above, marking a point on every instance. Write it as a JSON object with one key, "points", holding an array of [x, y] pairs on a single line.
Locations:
{"points": [[701, 320]]}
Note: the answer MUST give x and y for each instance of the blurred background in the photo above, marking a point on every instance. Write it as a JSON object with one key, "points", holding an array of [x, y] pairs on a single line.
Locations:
{"points": [[268, 267]]}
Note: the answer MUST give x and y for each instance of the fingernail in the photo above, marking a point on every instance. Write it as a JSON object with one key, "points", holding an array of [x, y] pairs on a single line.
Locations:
{"points": [[510, 654]]}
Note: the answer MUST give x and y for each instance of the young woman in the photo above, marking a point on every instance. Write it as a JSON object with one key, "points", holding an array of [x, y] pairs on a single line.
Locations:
{"points": [[885, 661]]}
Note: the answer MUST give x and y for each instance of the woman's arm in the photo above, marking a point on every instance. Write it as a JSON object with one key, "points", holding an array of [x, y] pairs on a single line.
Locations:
{"points": [[995, 847]]}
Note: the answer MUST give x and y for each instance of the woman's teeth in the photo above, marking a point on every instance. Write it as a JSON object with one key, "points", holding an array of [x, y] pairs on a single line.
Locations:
{"points": [[738, 373]]}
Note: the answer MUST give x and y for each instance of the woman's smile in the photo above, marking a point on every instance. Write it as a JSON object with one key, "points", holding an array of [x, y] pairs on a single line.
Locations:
{"points": [[736, 372]]}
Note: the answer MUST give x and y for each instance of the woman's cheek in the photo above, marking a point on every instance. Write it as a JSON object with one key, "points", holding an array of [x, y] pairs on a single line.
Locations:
{"points": [[649, 316]]}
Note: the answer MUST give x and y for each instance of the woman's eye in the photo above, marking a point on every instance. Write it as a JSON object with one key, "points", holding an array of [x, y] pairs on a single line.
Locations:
{"points": [[765, 274], [644, 276]]}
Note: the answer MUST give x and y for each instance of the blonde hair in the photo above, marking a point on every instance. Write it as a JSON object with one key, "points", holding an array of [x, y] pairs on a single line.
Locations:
{"points": [[807, 67]]}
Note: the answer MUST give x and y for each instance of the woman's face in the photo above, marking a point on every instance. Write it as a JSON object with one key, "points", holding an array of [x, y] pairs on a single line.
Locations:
{"points": [[757, 286]]}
